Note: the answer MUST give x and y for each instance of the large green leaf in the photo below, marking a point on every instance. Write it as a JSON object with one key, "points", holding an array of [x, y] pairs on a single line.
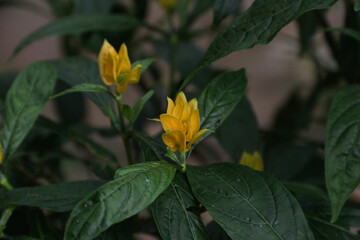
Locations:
{"points": [[79, 24], [247, 138], [80, 70], [323, 230], [257, 26], [248, 204], [133, 189], [223, 8], [171, 214], [24, 102], [342, 147], [220, 98], [60, 197]]}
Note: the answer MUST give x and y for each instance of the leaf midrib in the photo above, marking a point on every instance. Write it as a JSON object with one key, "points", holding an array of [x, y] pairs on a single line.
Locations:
{"points": [[19, 113], [245, 200]]}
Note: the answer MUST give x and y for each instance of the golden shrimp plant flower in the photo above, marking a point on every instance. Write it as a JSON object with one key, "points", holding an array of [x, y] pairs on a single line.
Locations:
{"points": [[115, 67], [168, 4], [253, 161], [181, 124]]}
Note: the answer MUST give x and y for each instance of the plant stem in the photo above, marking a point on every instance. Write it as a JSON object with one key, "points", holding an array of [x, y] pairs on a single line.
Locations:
{"points": [[8, 211], [123, 130]]}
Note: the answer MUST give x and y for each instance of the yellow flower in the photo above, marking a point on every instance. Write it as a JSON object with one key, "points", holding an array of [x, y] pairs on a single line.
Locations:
{"points": [[181, 124], [167, 4], [115, 68], [253, 161]]}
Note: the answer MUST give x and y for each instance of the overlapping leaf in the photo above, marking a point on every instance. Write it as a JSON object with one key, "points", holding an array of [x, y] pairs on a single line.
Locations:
{"points": [[248, 204], [257, 26], [61, 197], [342, 147], [133, 189], [80, 70], [170, 211], [24, 102], [220, 97]]}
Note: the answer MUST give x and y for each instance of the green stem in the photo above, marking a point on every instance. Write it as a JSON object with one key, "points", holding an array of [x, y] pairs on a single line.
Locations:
{"points": [[3, 220], [8, 211], [123, 130], [183, 161]]}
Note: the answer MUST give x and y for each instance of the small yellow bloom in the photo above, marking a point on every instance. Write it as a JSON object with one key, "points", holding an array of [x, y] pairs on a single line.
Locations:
{"points": [[167, 4], [253, 161], [181, 124], [115, 68]]}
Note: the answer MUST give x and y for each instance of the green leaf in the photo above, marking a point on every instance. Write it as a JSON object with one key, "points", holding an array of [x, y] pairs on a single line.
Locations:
{"points": [[144, 63], [306, 190], [257, 26], [285, 160], [140, 104], [60, 197], [80, 70], [215, 232], [346, 31], [223, 8], [86, 87], [152, 150], [324, 230], [171, 214], [357, 5], [79, 24], [248, 204], [93, 6], [132, 190], [127, 112], [220, 98], [342, 147], [247, 138], [24, 102]]}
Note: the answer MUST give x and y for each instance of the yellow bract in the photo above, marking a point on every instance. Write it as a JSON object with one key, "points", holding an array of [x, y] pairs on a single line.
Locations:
{"points": [[253, 161], [181, 124], [115, 68], [167, 4]]}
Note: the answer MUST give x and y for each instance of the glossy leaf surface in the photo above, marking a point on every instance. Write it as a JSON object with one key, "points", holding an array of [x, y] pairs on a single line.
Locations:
{"points": [[171, 214], [342, 147], [24, 102], [248, 204], [220, 97], [61, 197], [133, 189]]}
